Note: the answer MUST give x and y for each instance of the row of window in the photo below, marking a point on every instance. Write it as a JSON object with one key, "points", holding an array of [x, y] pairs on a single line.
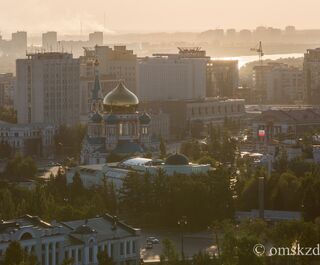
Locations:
{"points": [[216, 109]]}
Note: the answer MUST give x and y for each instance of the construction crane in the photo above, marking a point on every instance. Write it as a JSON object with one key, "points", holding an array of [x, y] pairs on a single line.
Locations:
{"points": [[259, 50]]}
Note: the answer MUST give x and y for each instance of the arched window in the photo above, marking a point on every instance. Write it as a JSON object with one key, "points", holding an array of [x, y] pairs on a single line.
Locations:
{"points": [[26, 236]]}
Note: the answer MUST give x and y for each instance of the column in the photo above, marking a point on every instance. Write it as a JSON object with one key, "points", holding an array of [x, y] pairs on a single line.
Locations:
{"points": [[109, 249], [53, 253], [47, 254], [76, 257], [95, 253], [86, 255]]}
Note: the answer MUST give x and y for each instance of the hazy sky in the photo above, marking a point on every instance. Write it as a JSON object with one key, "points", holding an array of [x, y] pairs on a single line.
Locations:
{"points": [[154, 15]]}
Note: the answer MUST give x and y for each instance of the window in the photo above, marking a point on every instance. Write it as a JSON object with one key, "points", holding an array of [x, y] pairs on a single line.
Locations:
{"points": [[91, 254], [128, 247], [144, 130], [133, 246], [79, 255], [121, 248]]}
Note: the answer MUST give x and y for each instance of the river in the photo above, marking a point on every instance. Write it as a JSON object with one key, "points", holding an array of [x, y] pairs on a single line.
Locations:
{"points": [[242, 60]]}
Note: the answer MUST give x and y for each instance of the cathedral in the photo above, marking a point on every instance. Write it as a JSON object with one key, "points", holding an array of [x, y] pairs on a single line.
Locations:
{"points": [[115, 126]]}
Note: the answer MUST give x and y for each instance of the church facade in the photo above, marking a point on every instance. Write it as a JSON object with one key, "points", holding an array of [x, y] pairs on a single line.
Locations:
{"points": [[115, 126]]}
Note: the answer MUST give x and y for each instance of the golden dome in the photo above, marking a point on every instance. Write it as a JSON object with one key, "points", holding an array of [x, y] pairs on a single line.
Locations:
{"points": [[120, 99]]}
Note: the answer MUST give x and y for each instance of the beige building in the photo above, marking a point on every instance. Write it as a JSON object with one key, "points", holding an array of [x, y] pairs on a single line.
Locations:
{"points": [[48, 89], [7, 87], [222, 78], [113, 64], [278, 83], [180, 76], [184, 115], [311, 75]]}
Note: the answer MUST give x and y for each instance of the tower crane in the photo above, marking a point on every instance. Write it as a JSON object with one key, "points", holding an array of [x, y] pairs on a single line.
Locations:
{"points": [[259, 50]]}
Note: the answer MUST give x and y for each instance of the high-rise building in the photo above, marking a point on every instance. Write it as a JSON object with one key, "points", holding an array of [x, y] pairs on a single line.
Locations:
{"points": [[173, 76], [113, 64], [311, 76], [7, 88], [48, 88], [96, 38], [277, 83], [119, 63], [19, 42], [49, 41], [222, 78]]}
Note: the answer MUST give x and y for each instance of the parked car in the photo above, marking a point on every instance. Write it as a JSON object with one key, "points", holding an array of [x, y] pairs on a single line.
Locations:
{"points": [[153, 240], [149, 245]]}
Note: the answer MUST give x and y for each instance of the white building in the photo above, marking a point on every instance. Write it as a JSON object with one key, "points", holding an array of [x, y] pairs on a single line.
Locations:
{"points": [[29, 139], [80, 240], [94, 175], [173, 76], [48, 89]]}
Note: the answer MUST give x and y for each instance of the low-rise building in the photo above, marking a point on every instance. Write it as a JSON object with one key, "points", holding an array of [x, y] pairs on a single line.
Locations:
{"points": [[80, 240], [94, 175], [184, 115], [275, 122], [29, 139]]}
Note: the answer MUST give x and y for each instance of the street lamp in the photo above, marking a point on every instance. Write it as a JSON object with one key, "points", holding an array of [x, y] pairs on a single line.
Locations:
{"points": [[182, 223]]}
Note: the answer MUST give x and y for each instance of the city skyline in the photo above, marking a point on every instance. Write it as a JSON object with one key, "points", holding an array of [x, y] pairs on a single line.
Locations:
{"points": [[72, 17]]}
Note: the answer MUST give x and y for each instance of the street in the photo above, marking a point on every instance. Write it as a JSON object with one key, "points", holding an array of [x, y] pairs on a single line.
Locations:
{"points": [[193, 243]]}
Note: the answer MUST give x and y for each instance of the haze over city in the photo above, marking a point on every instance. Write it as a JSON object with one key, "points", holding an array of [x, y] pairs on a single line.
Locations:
{"points": [[151, 15], [169, 132]]}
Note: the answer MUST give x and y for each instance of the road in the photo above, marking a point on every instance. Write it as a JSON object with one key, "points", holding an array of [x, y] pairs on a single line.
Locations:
{"points": [[193, 243]]}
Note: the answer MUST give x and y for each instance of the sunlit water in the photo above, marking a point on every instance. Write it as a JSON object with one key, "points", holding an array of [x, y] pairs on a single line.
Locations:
{"points": [[242, 60]]}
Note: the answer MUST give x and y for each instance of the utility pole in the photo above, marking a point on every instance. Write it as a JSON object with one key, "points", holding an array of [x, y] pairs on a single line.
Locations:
{"points": [[182, 223]]}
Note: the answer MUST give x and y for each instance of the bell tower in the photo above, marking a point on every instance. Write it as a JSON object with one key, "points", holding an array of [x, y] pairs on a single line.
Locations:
{"points": [[96, 98]]}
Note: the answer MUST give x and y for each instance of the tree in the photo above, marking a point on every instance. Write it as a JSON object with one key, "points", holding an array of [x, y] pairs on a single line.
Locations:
{"points": [[20, 167], [104, 259], [67, 261], [169, 254], [5, 150], [163, 148], [14, 254], [76, 187], [203, 258], [8, 115], [7, 206]]}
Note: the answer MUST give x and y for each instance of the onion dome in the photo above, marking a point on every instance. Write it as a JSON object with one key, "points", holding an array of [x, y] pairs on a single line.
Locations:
{"points": [[177, 159], [84, 230], [145, 118], [111, 119], [120, 99], [96, 118]]}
